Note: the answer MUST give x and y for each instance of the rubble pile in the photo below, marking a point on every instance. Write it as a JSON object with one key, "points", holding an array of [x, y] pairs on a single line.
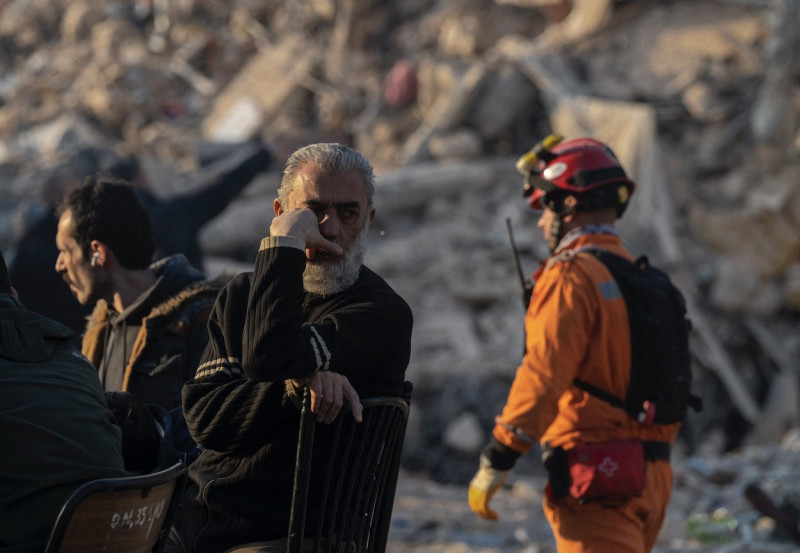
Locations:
{"points": [[699, 99]]}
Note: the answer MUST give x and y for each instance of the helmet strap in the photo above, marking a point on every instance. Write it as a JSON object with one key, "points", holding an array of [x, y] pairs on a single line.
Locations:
{"points": [[561, 206], [556, 227]]}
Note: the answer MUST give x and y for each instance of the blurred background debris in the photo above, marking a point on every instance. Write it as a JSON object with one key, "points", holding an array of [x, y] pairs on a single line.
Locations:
{"points": [[699, 99]]}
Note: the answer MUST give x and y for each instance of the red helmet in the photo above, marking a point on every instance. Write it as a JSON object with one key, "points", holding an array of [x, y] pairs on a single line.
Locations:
{"points": [[579, 166]]}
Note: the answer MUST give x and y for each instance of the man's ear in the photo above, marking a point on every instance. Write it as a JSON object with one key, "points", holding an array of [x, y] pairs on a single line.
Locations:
{"points": [[14, 292], [277, 207], [99, 251], [371, 215]]}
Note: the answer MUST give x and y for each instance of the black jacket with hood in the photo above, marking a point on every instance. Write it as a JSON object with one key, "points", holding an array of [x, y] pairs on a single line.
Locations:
{"points": [[155, 344], [54, 424]]}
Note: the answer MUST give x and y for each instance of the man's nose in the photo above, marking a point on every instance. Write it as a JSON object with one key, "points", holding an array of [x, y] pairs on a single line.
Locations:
{"points": [[329, 225], [59, 263]]}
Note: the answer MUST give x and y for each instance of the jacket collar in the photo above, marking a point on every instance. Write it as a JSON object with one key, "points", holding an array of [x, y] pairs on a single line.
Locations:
{"points": [[589, 234]]}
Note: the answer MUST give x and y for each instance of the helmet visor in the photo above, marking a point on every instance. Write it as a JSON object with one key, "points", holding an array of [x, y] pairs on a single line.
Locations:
{"points": [[539, 187], [535, 200]]}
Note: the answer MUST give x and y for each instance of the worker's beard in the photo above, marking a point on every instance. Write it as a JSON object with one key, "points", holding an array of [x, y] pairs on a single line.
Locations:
{"points": [[326, 279], [555, 235]]}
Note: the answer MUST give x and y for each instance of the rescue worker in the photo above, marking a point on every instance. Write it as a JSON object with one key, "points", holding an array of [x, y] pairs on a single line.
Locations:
{"points": [[576, 327]]}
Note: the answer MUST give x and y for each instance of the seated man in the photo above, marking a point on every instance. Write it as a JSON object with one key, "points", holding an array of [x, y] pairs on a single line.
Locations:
{"points": [[148, 328], [309, 313], [54, 423]]}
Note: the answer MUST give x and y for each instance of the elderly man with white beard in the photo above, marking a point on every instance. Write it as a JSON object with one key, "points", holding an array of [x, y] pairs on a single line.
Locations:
{"points": [[311, 314]]}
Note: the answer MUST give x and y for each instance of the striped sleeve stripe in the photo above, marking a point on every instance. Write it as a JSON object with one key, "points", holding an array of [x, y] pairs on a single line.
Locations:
{"points": [[320, 347], [230, 366], [316, 353]]}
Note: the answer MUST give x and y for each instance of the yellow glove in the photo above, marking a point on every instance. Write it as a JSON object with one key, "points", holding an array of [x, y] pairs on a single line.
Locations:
{"points": [[482, 488]]}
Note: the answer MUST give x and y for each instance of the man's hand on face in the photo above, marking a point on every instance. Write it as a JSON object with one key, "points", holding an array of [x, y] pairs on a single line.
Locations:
{"points": [[303, 224], [328, 392]]}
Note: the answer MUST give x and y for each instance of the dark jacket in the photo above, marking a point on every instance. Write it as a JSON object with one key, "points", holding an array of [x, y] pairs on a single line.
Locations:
{"points": [[176, 442], [264, 330], [171, 318], [54, 423]]}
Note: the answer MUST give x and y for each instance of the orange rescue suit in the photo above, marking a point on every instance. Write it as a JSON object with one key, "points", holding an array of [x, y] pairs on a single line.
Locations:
{"points": [[573, 330]]}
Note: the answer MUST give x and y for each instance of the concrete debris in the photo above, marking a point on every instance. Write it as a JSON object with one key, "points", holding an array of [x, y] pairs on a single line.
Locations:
{"points": [[694, 97]]}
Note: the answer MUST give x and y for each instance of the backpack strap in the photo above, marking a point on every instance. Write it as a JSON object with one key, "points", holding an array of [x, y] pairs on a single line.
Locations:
{"points": [[655, 450], [614, 262], [591, 389]]}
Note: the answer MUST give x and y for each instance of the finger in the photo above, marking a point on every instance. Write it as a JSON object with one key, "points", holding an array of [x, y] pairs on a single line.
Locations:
{"points": [[319, 242], [336, 397], [336, 402], [354, 401], [475, 500], [301, 223], [323, 415], [479, 503], [315, 386]]}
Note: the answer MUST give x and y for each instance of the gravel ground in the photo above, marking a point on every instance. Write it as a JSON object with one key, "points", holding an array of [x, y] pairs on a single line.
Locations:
{"points": [[434, 518]]}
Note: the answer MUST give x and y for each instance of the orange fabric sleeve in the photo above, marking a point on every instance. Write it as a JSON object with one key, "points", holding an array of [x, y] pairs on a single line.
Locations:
{"points": [[558, 327]]}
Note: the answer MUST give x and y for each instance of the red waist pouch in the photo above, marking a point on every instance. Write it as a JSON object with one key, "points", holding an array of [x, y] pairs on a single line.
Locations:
{"points": [[609, 470]]}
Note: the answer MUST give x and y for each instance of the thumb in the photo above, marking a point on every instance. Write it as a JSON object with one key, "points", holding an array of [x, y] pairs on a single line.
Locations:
{"points": [[479, 503], [483, 487], [321, 243]]}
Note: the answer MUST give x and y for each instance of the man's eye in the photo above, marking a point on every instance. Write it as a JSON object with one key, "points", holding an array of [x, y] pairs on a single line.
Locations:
{"points": [[348, 215]]}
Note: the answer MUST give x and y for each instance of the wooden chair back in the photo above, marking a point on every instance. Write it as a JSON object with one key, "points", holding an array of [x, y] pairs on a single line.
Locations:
{"points": [[119, 515]]}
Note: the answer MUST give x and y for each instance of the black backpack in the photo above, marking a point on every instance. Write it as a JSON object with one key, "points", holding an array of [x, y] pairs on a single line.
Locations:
{"points": [[661, 372]]}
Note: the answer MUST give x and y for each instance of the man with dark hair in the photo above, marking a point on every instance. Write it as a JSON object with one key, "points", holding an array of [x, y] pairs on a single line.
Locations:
{"points": [[310, 313], [148, 327], [176, 219], [54, 419]]}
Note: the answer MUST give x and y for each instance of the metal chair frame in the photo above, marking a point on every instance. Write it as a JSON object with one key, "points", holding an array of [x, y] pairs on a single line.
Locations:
{"points": [[360, 478]]}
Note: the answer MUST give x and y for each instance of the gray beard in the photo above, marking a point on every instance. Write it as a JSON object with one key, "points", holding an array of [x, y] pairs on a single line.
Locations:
{"points": [[325, 279]]}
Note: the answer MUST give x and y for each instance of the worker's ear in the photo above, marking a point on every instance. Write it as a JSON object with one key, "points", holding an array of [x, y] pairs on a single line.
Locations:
{"points": [[569, 202], [277, 207]]}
